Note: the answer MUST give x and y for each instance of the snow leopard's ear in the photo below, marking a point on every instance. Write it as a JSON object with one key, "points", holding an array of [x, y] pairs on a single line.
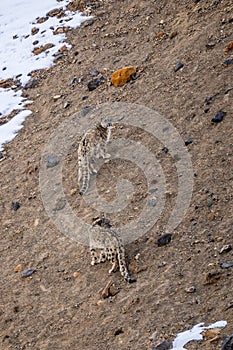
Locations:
{"points": [[107, 122], [101, 221]]}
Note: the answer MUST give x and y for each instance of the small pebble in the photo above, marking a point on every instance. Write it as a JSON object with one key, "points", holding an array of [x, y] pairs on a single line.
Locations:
{"points": [[17, 268], [152, 203], [173, 35], [30, 84], [210, 44], [207, 100], [225, 249], [95, 72], [164, 345], [76, 274], [15, 206], [164, 239], [153, 190], [219, 239], [28, 273], [212, 277], [178, 66], [190, 289], [226, 265], [66, 104], [162, 264], [56, 97], [227, 343], [60, 204], [93, 84], [165, 150], [118, 331], [52, 161], [72, 81], [188, 141], [228, 62], [73, 191], [85, 110], [218, 117], [210, 203], [88, 23]]}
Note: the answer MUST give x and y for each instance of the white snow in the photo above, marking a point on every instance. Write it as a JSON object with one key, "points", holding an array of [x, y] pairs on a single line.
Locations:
{"points": [[9, 130], [17, 18], [194, 334]]}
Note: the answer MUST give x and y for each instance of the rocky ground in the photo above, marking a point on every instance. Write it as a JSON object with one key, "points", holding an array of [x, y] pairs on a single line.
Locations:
{"points": [[61, 306]]}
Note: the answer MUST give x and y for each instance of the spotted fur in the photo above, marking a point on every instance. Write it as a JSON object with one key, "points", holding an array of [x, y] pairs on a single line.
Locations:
{"points": [[92, 146], [103, 237]]}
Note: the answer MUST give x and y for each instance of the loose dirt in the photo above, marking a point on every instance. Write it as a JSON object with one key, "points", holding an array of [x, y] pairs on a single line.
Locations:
{"points": [[60, 305]]}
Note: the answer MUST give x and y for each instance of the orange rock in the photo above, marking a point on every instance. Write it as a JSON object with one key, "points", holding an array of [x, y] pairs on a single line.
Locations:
{"points": [[160, 34], [229, 47], [122, 76], [17, 268], [63, 48]]}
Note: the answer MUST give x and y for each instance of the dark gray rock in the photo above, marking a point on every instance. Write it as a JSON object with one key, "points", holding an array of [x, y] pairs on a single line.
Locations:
{"points": [[28, 273], [152, 202], [227, 343], [188, 141], [226, 249], [15, 206], [72, 81], [178, 66], [164, 239], [164, 345], [85, 110], [31, 84], [228, 62], [218, 117], [226, 265], [52, 161], [93, 84]]}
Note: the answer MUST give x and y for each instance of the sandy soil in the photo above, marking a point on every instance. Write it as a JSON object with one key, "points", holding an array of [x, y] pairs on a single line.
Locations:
{"points": [[52, 309]]}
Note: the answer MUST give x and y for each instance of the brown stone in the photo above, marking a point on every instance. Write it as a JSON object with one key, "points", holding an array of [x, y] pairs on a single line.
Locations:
{"points": [[60, 30], [63, 48], [55, 12], [38, 50], [173, 35], [160, 35], [212, 277], [34, 30], [17, 268], [76, 274], [6, 83], [76, 5], [212, 333], [109, 290], [229, 47], [42, 19]]}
